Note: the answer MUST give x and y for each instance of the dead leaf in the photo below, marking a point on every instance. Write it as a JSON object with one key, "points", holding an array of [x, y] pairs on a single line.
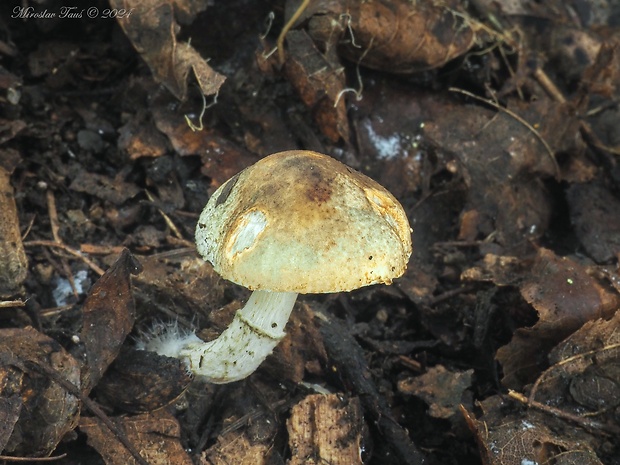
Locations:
{"points": [[10, 410], [302, 347], [139, 139], [152, 29], [565, 297], [185, 283], [46, 411], [115, 191], [584, 372], [398, 36], [108, 317], [249, 426], [10, 128], [442, 389], [142, 381], [527, 438]]}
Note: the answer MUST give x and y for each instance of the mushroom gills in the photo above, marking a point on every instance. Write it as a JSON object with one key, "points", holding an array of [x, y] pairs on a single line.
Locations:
{"points": [[255, 331]]}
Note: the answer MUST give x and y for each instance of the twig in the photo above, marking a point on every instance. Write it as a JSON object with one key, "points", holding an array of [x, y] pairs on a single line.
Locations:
{"points": [[12, 303], [166, 218], [53, 213], [549, 85], [59, 245], [10, 458], [97, 249], [449, 294], [579, 420]]}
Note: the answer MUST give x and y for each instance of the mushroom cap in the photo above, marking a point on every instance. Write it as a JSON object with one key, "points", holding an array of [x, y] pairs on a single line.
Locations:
{"points": [[299, 221]]}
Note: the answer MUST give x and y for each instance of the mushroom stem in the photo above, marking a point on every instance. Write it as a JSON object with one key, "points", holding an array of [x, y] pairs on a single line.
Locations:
{"points": [[253, 334]]}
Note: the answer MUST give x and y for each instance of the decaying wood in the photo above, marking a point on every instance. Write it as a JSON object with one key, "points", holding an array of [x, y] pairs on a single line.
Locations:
{"points": [[326, 429], [13, 260]]}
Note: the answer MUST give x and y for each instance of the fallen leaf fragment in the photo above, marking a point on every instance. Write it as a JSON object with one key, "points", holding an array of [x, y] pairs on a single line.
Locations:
{"points": [[113, 190], [108, 317], [140, 139], [301, 350], [397, 36], [442, 389], [565, 297], [46, 411], [584, 372], [221, 158], [152, 30], [142, 381], [326, 428], [156, 435], [526, 438]]}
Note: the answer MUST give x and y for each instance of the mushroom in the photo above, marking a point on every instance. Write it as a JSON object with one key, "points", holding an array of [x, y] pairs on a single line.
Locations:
{"points": [[294, 222]]}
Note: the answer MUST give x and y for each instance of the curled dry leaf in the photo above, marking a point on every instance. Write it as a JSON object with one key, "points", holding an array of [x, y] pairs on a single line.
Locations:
{"points": [[398, 36], [108, 317], [45, 411], [565, 297], [152, 30]]}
